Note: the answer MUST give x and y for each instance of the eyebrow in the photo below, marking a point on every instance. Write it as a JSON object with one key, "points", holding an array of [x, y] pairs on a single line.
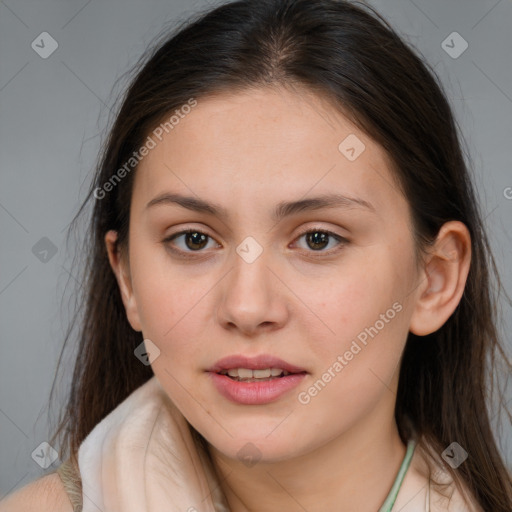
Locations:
{"points": [[282, 209]]}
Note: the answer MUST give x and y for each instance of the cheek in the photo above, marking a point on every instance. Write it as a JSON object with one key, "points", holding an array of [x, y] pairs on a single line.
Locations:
{"points": [[170, 300], [366, 312], [355, 367], [354, 298]]}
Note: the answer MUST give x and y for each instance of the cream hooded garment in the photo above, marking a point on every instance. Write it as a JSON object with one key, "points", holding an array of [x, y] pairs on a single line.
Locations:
{"points": [[142, 458], [146, 436]]}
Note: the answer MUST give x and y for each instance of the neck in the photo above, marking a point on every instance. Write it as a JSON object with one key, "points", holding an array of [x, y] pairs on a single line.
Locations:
{"points": [[353, 471]]}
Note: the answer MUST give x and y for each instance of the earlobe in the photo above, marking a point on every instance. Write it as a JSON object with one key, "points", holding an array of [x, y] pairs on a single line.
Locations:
{"points": [[444, 278], [119, 267]]}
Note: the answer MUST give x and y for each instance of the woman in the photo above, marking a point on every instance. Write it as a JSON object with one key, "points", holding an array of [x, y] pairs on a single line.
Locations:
{"points": [[285, 262]]}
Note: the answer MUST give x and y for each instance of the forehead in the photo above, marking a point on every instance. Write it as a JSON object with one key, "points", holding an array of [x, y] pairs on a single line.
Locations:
{"points": [[265, 145]]}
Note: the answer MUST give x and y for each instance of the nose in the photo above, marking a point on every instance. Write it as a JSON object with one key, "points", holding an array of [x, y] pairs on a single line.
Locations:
{"points": [[252, 297]]}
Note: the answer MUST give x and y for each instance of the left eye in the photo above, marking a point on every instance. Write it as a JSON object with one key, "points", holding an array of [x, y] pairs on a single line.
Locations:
{"points": [[318, 239]]}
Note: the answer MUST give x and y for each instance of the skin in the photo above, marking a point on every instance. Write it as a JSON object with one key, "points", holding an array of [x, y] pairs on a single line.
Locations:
{"points": [[247, 152]]}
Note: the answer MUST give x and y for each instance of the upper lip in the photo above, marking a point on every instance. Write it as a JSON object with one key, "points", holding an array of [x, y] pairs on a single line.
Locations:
{"points": [[260, 362]]}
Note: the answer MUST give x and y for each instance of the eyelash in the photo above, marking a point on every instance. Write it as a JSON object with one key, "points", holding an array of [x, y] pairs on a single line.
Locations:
{"points": [[189, 254]]}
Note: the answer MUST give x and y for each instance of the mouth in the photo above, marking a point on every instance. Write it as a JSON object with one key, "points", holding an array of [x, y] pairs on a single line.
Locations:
{"points": [[248, 375], [255, 380], [263, 366]]}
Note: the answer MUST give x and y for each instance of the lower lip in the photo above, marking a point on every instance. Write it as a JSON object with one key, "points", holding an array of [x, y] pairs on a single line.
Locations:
{"points": [[255, 393]]}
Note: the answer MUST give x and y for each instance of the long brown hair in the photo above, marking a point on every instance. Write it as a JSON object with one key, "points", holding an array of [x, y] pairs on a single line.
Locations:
{"points": [[349, 54]]}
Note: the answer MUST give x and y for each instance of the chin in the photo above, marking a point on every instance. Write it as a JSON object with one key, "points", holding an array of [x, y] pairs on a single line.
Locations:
{"points": [[256, 445]]}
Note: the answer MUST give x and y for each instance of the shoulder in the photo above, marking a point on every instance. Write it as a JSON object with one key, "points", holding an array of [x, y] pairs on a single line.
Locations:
{"points": [[46, 494]]}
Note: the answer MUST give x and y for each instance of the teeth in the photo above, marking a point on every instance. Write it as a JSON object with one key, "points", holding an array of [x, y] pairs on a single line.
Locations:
{"points": [[246, 373], [261, 374]]}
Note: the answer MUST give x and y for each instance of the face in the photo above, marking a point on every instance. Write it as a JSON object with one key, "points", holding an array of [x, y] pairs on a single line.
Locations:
{"points": [[326, 289]]}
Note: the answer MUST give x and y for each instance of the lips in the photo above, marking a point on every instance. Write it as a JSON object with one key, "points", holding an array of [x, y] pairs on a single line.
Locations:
{"points": [[260, 362], [240, 388]]}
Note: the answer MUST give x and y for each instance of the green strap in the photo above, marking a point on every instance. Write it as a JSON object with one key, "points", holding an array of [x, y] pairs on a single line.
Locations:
{"points": [[393, 493]]}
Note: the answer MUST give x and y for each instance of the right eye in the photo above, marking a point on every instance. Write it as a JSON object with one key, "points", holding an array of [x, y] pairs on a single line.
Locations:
{"points": [[193, 240]]}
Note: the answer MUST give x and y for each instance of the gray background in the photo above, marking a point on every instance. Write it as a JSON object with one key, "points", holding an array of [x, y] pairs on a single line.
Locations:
{"points": [[53, 112]]}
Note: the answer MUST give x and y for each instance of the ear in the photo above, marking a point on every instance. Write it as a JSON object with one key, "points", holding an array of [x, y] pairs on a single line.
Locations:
{"points": [[121, 270], [443, 278]]}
